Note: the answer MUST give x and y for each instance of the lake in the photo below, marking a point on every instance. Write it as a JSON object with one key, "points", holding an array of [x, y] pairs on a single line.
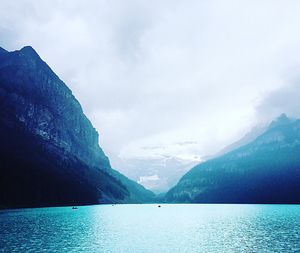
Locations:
{"points": [[148, 228]]}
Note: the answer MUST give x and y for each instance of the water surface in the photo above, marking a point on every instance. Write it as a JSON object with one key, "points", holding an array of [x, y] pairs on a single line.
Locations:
{"points": [[147, 228]]}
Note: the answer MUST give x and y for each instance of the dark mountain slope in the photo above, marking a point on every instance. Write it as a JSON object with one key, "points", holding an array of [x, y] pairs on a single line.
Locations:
{"points": [[49, 152], [138, 194], [267, 170]]}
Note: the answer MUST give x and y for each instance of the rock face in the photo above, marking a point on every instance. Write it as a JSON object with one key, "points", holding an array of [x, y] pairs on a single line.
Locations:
{"points": [[267, 170], [45, 106], [49, 149]]}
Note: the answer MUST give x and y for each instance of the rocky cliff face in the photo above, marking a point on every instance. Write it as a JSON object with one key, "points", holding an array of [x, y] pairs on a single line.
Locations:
{"points": [[33, 97], [49, 153]]}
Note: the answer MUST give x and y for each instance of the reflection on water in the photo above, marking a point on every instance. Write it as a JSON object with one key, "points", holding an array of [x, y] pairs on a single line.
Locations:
{"points": [[147, 228]]}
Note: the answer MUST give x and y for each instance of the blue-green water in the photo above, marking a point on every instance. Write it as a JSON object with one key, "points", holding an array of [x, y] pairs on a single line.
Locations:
{"points": [[147, 228]]}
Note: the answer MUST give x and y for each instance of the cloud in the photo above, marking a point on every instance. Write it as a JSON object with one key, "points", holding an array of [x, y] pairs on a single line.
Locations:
{"points": [[284, 100], [157, 73]]}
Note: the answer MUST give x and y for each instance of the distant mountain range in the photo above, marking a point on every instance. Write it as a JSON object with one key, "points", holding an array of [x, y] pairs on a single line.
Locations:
{"points": [[158, 173], [263, 169], [49, 151]]}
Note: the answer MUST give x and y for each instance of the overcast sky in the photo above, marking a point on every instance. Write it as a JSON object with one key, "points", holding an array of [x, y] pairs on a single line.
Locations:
{"points": [[179, 78]]}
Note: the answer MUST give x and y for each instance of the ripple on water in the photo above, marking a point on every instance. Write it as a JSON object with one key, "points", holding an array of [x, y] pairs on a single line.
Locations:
{"points": [[146, 228]]}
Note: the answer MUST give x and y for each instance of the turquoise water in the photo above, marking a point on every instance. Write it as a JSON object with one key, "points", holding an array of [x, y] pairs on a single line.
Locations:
{"points": [[147, 228]]}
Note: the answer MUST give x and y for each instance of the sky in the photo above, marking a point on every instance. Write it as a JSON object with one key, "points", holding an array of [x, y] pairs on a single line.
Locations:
{"points": [[166, 78]]}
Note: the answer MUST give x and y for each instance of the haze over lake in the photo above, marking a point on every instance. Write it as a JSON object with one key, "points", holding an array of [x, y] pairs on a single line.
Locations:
{"points": [[148, 228]]}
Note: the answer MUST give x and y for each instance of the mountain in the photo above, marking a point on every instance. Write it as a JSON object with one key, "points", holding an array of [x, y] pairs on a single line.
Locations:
{"points": [[158, 173], [247, 138], [266, 170], [49, 151]]}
